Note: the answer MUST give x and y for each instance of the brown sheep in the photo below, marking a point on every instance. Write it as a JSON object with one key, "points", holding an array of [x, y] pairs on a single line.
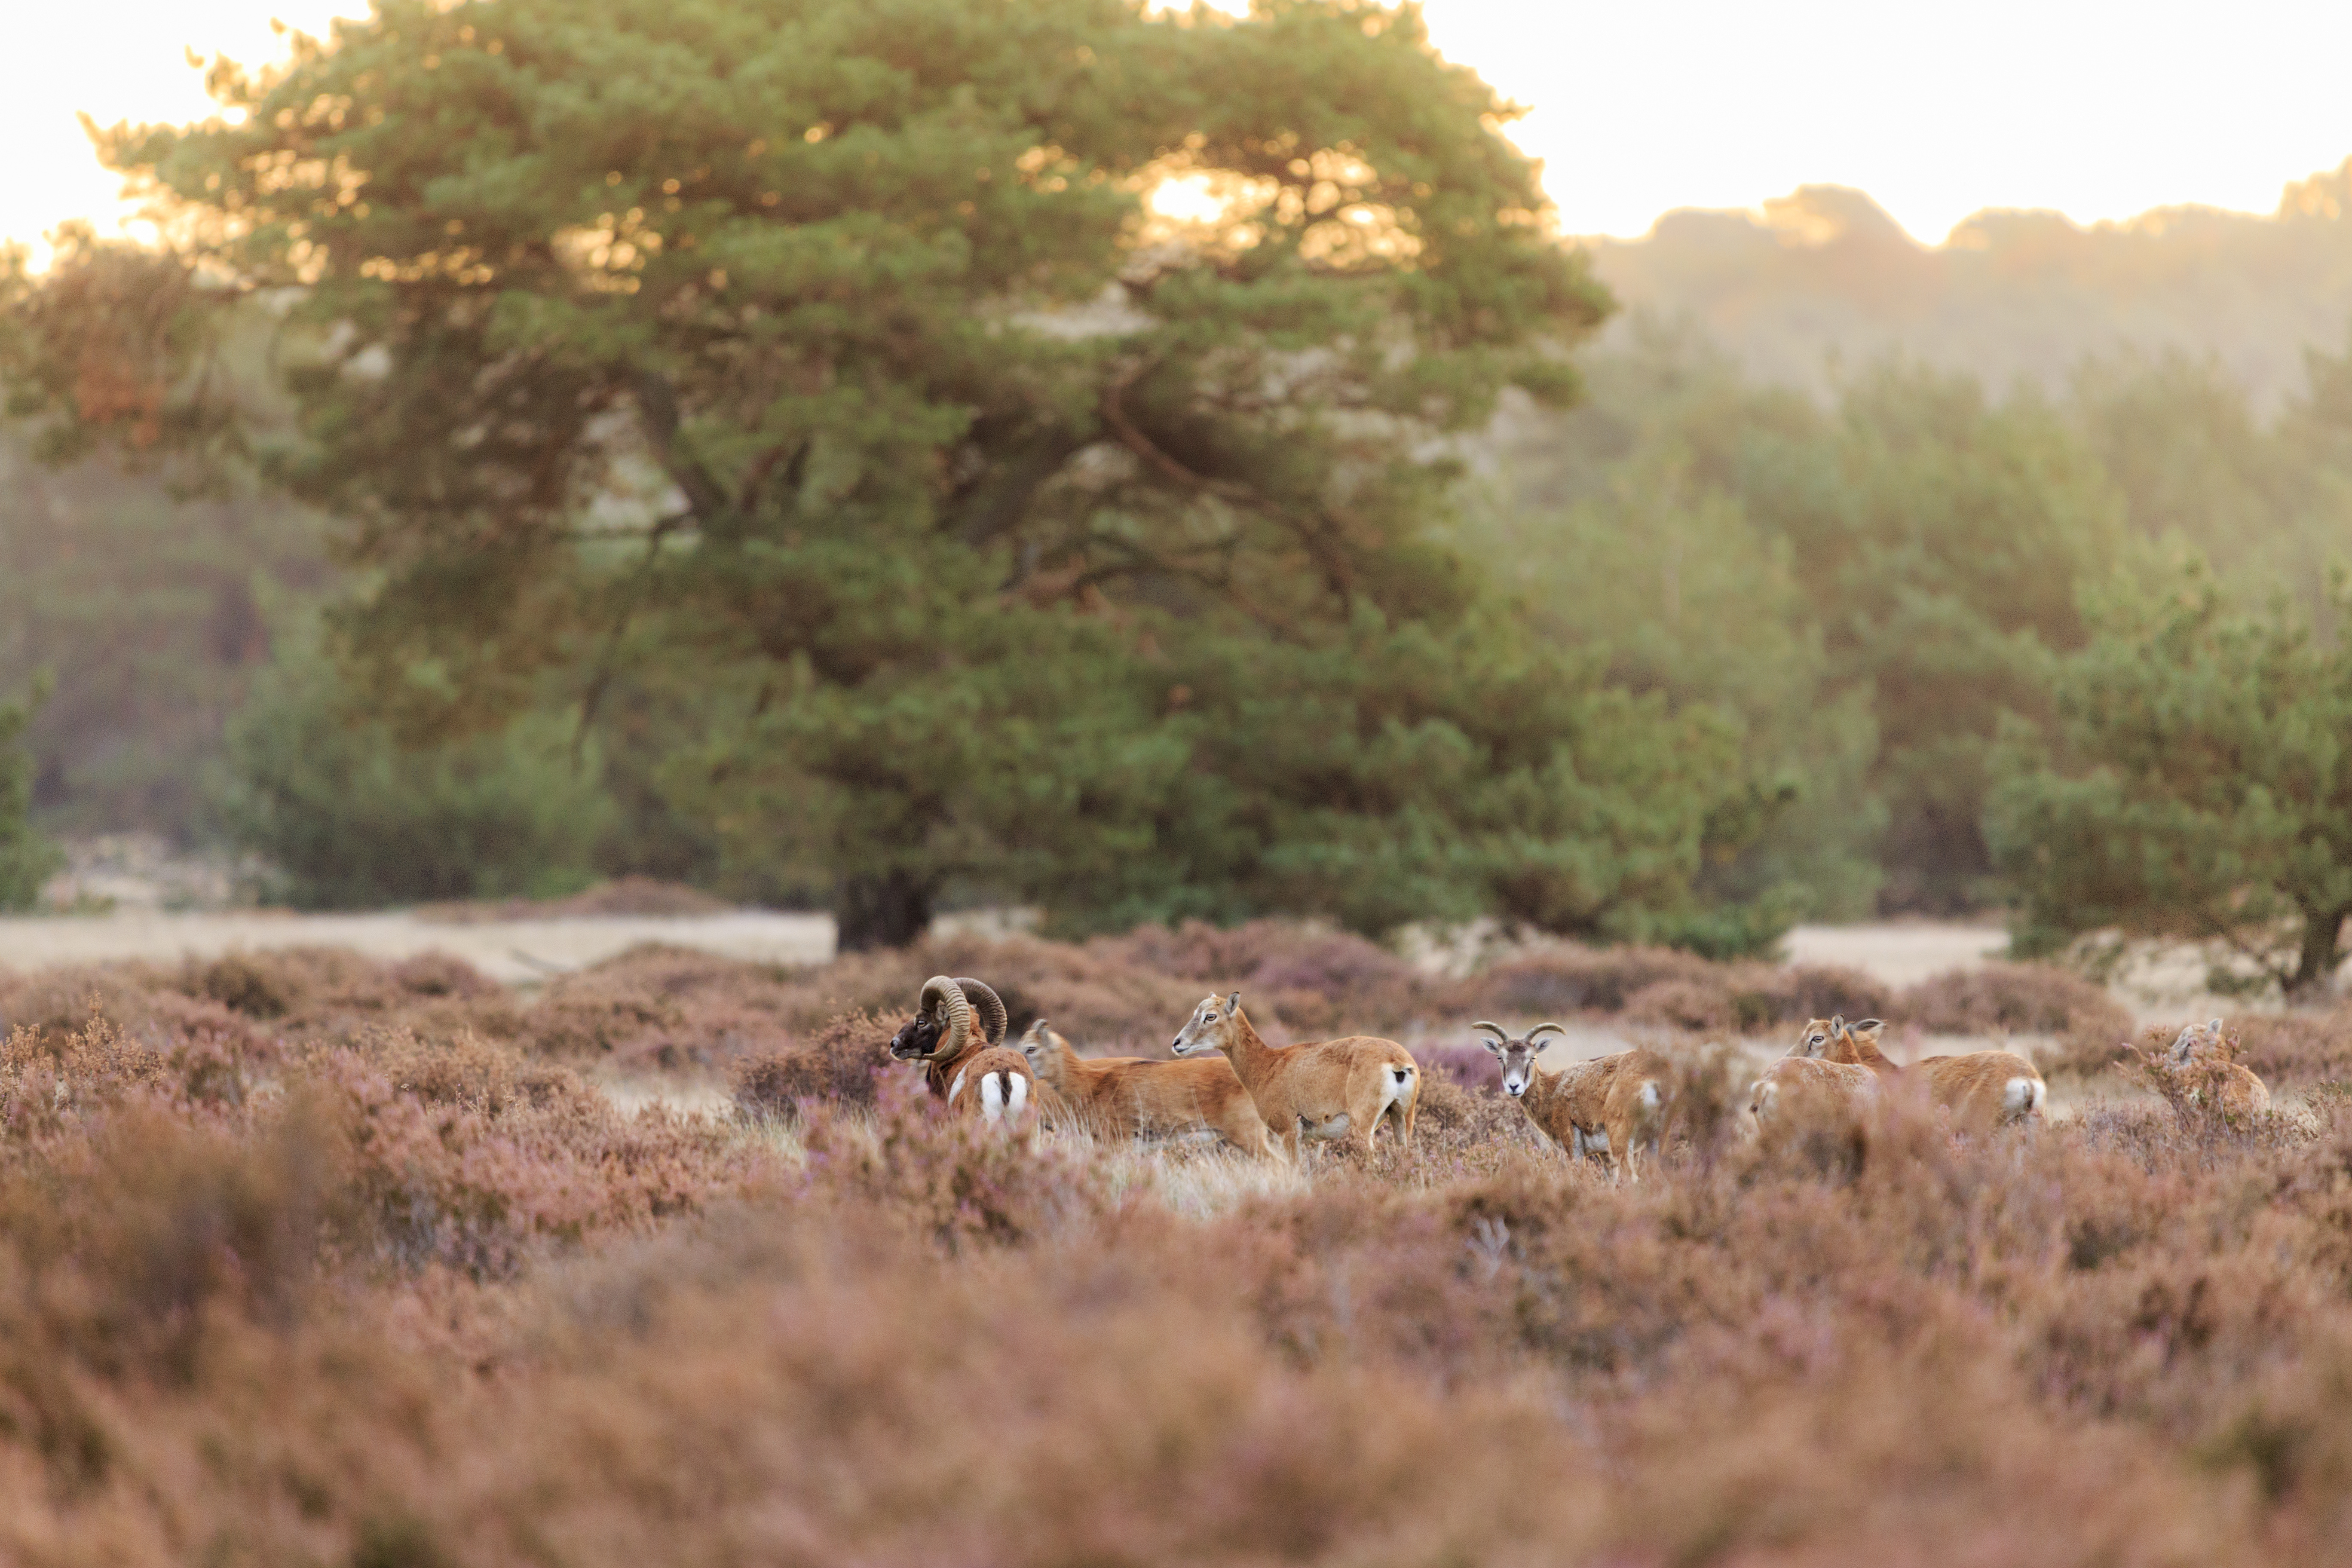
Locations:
{"points": [[1132, 1097], [965, 1061], [1608, 1109], [1342, 1089]]}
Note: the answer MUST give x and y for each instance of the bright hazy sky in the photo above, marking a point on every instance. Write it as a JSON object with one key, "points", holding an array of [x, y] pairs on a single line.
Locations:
{"points": [[2097, 108]]}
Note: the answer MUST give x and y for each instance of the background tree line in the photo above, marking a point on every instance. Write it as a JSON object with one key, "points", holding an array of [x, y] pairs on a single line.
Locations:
{"points": [[780, 445], [1822, 281]]}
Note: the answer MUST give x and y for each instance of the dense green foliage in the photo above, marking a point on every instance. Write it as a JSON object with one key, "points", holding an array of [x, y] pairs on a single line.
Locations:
{"points": [[26, 858], [1636, 531], [885, 455], [1014, 533], [2197, 780], [352, 819], [1868, 588], [151, 619], [151, 616], [2267, 502]]}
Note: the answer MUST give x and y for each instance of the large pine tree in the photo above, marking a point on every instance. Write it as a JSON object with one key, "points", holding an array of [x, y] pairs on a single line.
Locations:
{"points": [[1011, 429]]}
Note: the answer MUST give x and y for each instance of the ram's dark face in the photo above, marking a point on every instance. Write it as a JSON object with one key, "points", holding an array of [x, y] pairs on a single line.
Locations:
{"points": [[918, 1038]]}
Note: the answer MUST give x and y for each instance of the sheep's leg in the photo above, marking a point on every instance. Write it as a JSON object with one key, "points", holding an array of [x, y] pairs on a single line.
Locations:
{"points": [[1365, 1112]]}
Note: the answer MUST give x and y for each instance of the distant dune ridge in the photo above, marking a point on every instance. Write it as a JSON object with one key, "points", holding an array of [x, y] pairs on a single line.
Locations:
{"points": [[1824, 278]]}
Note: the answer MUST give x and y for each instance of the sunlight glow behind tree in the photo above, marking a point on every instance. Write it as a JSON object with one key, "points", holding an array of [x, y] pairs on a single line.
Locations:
{"points": [[2098, 109]]}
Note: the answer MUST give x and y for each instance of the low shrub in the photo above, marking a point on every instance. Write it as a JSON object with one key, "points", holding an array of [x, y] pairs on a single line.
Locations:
{"points": [[1706, 1098], [667, 1008], [838, 1064], [2299, 1047], [437, 974], [1667, 988], [471, 1072], [1698, 1006], [2021, 999], [1300, 980], [460, 1164], [1454, 1120], [324, 993], [138, 1000], [955, 1181], [1459, 1063], [2008, 998], [349, 818], [1556, 983], [1804, 991]]}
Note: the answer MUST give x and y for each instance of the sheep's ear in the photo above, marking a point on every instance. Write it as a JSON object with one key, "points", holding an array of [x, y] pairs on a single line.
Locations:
{"points": [[1837, 1025], [2215, 1026], [1494, 1045], [1868, 1027], [1232, 1004]]}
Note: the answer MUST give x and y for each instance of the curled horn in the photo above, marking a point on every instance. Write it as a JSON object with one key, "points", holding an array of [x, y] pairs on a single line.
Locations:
{"points": [[942, 995], [1542, 1029], [1494, 1029], [990, 1006]]}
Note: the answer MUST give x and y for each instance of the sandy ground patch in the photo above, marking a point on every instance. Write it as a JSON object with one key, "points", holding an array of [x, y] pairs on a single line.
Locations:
{"points": [[1899, 953], [514, 951]]}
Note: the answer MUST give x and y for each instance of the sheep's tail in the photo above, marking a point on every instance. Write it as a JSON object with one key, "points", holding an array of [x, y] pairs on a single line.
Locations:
{"points": [[1002, 1096], [2024, 1096]]}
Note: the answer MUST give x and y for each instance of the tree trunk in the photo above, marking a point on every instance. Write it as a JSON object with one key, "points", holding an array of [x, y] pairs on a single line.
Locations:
{"points": [[889, 910], [2321, 953]]}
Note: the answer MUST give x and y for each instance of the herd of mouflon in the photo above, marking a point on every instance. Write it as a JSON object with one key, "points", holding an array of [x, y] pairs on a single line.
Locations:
{"points": [[1226, 1083]]}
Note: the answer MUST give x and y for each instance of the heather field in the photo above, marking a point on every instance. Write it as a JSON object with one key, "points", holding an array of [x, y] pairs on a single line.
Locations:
{"points": [[312, 1259], [629, 630]]}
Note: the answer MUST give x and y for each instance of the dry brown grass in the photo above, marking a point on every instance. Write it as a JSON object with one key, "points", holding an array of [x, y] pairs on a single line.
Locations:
{"points": [[332, 1288], [307, 1261]]}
